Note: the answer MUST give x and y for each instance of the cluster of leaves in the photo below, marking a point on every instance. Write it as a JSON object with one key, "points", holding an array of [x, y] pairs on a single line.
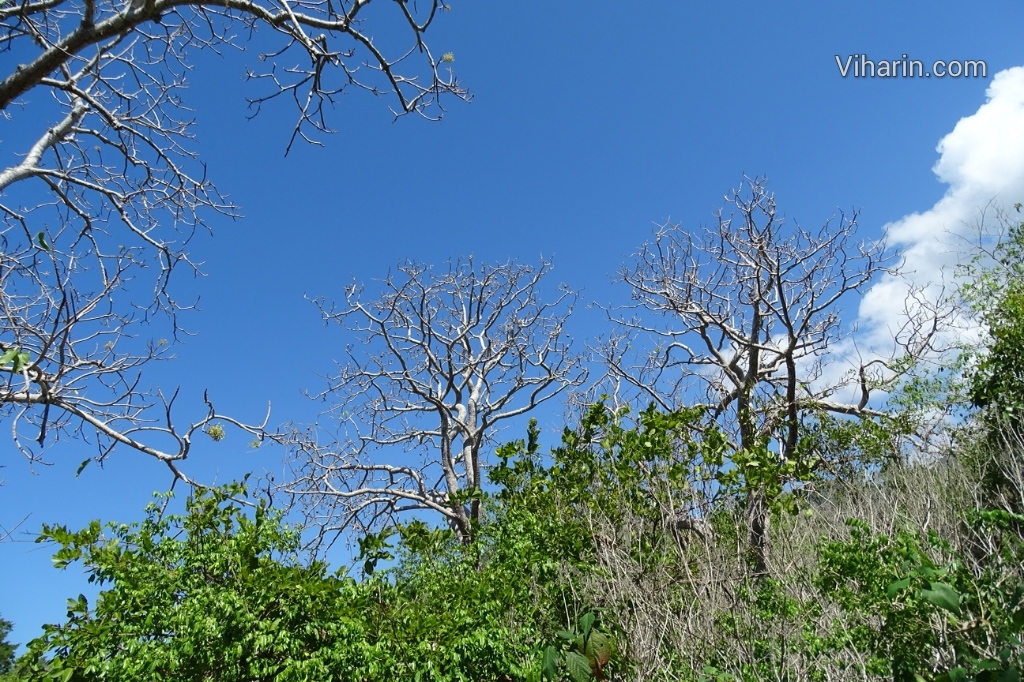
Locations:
{"points": [[6, 648], [662, 469], [584, 654], [895, 613], [764, 619], [16, 358], [211, 593], [220, 593], [995, 292], [921, 620]]}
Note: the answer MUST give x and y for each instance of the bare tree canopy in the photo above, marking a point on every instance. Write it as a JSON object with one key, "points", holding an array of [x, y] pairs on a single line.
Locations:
{"points": [[746, 318], [99, 205], [442, 358]]}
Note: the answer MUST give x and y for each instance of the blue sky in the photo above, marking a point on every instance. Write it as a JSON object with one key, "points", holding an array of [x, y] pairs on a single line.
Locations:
{"points": [[589, 124]]}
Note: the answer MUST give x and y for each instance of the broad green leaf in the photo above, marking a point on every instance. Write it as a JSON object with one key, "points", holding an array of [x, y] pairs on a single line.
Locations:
{"points": [[587, 622], [578, 666], [599, 649], [943, 596], [20, 361], [17, 357], [897, 587], [549, 668]]}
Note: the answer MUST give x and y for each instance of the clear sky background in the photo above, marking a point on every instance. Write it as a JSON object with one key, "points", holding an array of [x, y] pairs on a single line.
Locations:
{"points": [[590, 123]]}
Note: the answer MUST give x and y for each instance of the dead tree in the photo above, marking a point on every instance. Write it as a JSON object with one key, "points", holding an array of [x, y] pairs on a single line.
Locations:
{"points": [[101, 187], [746, 317], [438, 362]]}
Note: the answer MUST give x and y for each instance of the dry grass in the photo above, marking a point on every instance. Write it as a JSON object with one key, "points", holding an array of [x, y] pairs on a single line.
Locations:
{"points": [[677, 616]]}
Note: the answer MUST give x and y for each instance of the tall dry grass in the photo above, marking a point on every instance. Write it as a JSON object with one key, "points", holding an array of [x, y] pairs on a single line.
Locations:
{"points": [[691, 606]]}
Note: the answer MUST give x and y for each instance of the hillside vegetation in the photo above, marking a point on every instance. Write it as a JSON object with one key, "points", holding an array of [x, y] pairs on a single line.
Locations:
{"points": [[670, 542]]}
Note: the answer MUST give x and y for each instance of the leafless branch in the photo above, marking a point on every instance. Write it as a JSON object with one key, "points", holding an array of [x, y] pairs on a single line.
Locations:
{"points": [[98, 208], [745, 318], [441, 359]]}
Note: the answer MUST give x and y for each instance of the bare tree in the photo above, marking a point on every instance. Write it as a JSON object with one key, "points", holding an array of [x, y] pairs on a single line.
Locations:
{"points": [[99, 205], [443, 358], [750, 309]]}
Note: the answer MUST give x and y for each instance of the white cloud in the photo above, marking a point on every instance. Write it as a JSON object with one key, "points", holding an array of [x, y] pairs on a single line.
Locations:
{"points": [[982, 162]]}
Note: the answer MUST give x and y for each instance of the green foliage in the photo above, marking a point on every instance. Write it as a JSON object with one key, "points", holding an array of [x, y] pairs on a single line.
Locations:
{"points": [[462, 612], [17, 358], [374, 547], [996, 293], [998, 381], [921, 620], [774, 624], [844, 448], [220, 593], [900, 606], [216, 432], [605, 466], [871, 574], [6, 648], [528, 519], [215, 593], [585, 653]]}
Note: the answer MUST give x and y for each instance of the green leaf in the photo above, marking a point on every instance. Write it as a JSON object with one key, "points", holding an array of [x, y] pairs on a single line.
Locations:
{"points": [[549, 667], [20, 361], [81, 467], [1018, 618], [943, 596], [17, 357], [41, 240], [599, 649], [897, 586], [587, 622], [578, 666]]}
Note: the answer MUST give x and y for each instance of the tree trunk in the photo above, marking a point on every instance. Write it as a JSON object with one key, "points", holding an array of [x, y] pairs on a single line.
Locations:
{"points": [[758, 523]]}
